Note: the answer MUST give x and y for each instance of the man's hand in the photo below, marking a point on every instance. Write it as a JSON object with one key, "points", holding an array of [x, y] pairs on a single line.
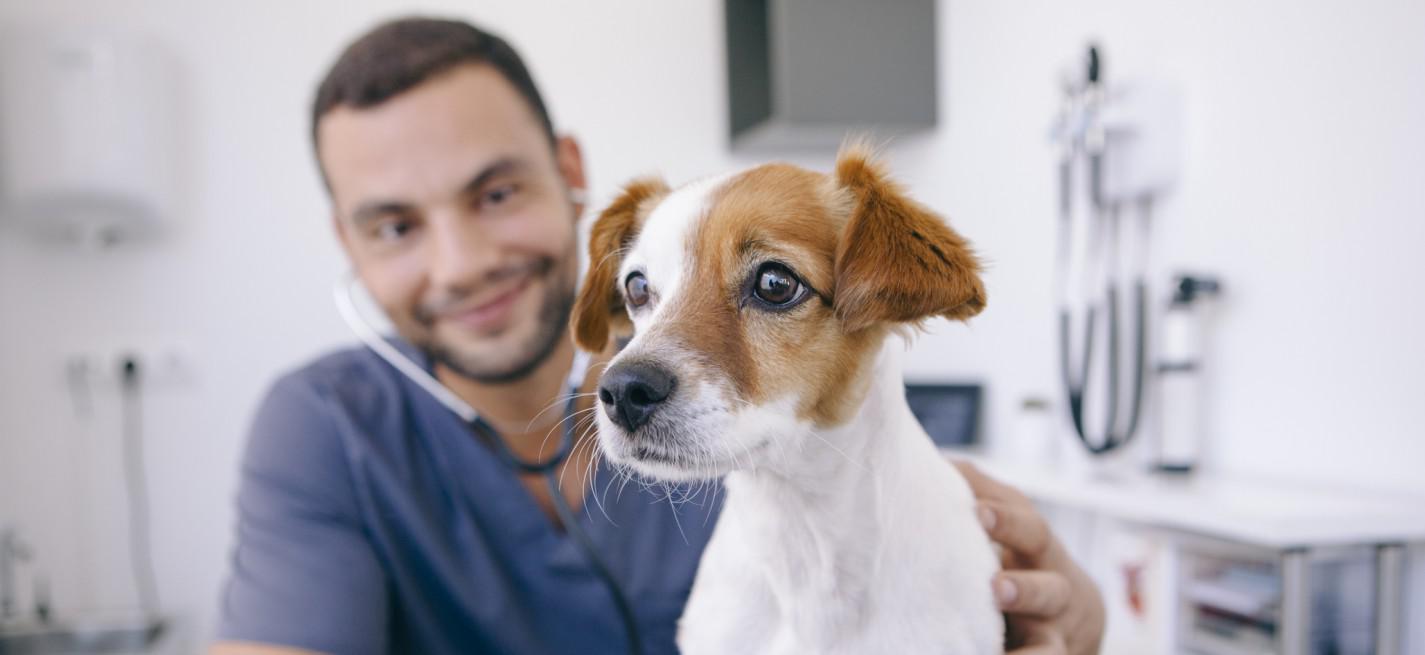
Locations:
{"points": [[1050, 604]]}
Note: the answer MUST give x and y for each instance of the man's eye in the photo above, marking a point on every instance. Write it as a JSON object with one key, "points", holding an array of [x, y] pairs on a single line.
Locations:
{"points": [[393, 230], [498, 195]]}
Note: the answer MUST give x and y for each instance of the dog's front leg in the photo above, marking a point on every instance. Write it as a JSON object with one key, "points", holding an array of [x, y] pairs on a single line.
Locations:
{"points": [[731, 608], [731, 618]]}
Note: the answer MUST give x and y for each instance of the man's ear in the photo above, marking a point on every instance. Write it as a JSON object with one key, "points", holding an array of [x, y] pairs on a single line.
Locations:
{"points": [[599, 308], [570, 160], [897, 262]]}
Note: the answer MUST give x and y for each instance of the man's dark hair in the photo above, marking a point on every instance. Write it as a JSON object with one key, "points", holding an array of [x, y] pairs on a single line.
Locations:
{"points": [[400, 54]]}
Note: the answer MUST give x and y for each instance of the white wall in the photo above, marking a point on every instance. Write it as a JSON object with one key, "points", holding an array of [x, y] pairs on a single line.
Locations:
{"points": [[1301, 188]]}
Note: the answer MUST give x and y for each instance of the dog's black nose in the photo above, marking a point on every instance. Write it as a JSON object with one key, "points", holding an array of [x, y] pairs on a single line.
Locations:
{"points": [[631, 392]]}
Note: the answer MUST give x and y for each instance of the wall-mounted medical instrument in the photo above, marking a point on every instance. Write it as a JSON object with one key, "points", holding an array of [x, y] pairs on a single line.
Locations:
{"points": [[1180, 373], [87, 136], [1118, 155]]}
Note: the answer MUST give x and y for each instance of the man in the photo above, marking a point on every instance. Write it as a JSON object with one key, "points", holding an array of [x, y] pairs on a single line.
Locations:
{"points": [[370, 518]]}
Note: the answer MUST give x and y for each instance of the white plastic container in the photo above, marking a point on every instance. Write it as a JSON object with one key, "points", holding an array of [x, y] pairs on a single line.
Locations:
{"points": [[87, 135], [1179, 369]]}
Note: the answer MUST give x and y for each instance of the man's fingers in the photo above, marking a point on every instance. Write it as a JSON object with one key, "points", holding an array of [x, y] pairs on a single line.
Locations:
{"points": [[1038, 638], [1042, 594], [1018, 528]]}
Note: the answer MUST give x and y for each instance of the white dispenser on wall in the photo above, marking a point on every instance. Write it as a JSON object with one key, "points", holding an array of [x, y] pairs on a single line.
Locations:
{"points": [[87, 136], [1180, 374]]}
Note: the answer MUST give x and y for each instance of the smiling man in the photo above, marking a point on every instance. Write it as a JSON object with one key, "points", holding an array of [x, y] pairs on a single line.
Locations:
{"points": [[371, 519]]}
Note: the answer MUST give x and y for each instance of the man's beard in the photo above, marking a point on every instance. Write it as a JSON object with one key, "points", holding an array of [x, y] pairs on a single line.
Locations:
{"points": [[549, 329]]}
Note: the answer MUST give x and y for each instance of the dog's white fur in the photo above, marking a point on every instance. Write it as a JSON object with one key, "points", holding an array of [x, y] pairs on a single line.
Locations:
{"points": [[855, 539]]}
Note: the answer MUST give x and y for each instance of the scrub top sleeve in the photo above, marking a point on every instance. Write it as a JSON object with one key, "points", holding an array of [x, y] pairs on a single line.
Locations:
{"points": [[303, 572]]}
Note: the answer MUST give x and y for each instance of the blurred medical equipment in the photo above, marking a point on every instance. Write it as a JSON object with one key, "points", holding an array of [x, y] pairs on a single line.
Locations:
{"points": [[802, 74], [1180, 375], [109, 630], [950, 413], [88, 136], [13, 550], [1033, 437], [1117, 145], [344, 293], [136, 487]]}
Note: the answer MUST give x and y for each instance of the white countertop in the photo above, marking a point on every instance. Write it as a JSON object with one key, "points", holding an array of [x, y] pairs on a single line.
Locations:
{"points": [[1271, 514]]}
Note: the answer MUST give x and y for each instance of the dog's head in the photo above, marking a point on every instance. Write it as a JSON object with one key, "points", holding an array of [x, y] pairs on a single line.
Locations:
{"points": [[757, 302]]}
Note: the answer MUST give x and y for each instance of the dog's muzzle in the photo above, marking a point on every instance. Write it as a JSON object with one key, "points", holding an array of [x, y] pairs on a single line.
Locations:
{"points": [[632, 392]]}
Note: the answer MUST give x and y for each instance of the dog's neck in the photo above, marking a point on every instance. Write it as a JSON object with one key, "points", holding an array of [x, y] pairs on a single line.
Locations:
{"points": [[821, 510]]}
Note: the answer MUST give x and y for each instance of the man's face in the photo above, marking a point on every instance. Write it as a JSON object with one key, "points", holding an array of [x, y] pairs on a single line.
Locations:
{"points": [[455, 211]]}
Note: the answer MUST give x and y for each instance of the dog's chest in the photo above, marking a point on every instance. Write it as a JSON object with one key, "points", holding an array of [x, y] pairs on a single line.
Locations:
{"points": [[784, 576]]}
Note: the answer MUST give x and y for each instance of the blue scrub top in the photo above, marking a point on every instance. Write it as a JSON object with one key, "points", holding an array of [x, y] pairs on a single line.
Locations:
{"points": [[371, 520]]}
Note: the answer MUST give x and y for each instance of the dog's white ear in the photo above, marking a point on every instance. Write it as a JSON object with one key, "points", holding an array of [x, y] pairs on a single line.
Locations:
{"points": [[599, 312], [897, 261]]}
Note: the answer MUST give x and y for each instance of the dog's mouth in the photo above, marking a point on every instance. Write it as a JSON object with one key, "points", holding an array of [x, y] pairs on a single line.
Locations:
{"points": [[662, 458], [644, 453], [682, 462]]}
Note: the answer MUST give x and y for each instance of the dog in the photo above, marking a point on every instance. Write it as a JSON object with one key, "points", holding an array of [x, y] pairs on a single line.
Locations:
{"points": [[763, 307]]}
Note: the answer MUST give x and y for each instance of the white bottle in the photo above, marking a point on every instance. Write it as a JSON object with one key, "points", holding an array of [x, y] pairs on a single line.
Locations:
{"points": [[1033, 440], [1180, 376]]}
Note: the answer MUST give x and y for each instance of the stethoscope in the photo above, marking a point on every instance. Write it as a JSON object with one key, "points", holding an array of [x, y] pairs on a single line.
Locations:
{"points": [[1083, 141], [344, 294]]}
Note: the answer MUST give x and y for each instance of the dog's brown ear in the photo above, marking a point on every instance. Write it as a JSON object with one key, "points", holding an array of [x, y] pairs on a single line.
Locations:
{"points": [[897, 261], [599, 312]]}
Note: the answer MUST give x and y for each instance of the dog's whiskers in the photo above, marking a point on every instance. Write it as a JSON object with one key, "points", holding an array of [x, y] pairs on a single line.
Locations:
{"points": [[578, 443], [562, 400]]}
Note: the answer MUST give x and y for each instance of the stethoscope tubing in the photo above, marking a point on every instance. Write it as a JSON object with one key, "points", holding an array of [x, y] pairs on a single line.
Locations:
{"points": [[1075, 382]]}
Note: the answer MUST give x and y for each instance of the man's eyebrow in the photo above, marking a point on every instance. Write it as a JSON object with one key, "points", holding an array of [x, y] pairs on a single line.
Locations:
{"points": [[502, 166], [370, 211]]}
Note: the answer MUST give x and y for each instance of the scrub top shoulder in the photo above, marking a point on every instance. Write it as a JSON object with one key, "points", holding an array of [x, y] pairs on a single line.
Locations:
{"points": [[371, 520]]}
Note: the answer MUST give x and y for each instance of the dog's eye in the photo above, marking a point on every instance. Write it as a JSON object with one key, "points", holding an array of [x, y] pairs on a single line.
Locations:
{"points": [[635, 290], [776, 285]]}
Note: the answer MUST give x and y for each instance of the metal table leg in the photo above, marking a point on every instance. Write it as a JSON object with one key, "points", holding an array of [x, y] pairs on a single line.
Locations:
{"points": [[1390, 596], [1295, 627]]}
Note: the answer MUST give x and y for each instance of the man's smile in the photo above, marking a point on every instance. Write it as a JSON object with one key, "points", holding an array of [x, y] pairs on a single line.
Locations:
{"points": [[493, 313]]}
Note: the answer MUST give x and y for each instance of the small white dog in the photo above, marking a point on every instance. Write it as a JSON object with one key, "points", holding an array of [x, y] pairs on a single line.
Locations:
{"points": [[761, 303]]}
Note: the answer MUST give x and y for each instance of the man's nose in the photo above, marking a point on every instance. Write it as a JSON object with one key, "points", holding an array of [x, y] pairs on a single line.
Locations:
{"points": [[459, 253], [632, 392]]}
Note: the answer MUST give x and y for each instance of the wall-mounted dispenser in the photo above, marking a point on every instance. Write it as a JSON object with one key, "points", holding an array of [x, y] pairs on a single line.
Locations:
{"points": [[1180, 373], [87, 136]]}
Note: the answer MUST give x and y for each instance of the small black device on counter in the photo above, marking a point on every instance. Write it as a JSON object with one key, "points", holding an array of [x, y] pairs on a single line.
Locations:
{"points": [[950, 413]]}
